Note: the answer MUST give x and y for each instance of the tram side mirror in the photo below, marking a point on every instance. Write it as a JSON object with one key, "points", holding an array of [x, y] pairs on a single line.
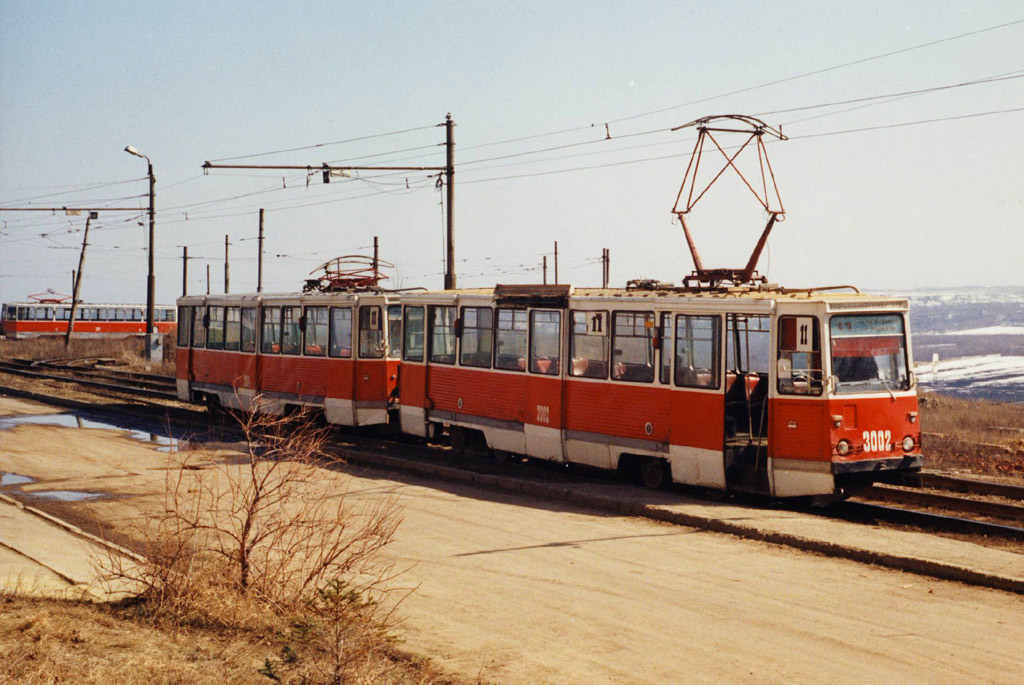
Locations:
{"points": [[785, 367]]}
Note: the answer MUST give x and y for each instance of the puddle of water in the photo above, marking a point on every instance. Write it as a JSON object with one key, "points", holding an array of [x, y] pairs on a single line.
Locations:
{"points": [[15, 479], [164, 442], [65, 495]]}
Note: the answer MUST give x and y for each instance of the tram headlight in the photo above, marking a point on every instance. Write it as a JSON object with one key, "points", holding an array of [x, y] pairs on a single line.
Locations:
{"points": [[908, 444], [843, 448]]}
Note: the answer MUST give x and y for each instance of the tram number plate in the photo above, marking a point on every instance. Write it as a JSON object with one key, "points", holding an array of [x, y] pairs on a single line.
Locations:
{"points": [[877, 441], [543, 414]]}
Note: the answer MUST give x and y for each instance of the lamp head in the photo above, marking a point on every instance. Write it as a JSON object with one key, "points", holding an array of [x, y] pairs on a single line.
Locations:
{"points": [[132, 151]]}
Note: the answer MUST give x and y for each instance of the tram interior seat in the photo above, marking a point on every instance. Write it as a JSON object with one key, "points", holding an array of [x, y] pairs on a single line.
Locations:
{"points": [[622, 371], [482, 359], [545, 365], [589, 368]]}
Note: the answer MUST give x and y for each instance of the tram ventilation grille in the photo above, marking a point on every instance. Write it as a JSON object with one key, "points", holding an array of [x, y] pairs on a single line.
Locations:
{"points": [[897, 305]]}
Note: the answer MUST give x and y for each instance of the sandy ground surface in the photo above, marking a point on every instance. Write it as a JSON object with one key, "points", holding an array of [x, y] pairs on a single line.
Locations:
{"points": [[516, 590]]}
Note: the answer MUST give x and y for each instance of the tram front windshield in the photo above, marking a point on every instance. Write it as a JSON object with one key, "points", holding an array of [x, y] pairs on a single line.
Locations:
{"points": [[869, 353]]}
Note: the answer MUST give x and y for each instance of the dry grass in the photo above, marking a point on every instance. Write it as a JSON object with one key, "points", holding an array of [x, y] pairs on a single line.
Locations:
{"points": [[48, 641], [128, 352], [976, 436]]}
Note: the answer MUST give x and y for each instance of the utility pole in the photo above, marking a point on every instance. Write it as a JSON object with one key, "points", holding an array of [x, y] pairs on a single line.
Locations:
{"points": [[604, 268], [556, 262], [544, 266], [227, 268], [152, 339], [73, 272], [376, 257], [259, 259], [449, 172], [184, 270], [78, 285], [207, 279]]}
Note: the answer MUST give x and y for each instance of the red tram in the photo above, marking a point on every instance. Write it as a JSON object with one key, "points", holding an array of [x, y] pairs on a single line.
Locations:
{"points": [[725, 382], [20, 320], [755, 388]]}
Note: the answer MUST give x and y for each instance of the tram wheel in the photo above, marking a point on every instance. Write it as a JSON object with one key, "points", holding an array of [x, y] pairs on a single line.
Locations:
{"points": [[653, 472]]}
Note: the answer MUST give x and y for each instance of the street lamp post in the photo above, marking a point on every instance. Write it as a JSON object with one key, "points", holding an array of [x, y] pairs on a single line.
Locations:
{"points": [[154, 352]]}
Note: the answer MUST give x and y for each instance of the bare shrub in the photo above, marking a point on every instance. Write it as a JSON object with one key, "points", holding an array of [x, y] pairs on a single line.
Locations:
{"points": [[269, 540]]}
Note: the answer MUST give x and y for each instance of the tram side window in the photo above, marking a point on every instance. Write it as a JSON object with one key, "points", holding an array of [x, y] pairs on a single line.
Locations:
{"points": [[589, 344], [248, 342], [22, 313], [291, 333], [198, 326], [412, 346], [697, 351], [215, 329], [510, 340], [270, 334], [120, 314], [395, 331], [545, 342], [477, 336], [316, 331], [442, 334], [371, 333], [633, 346], [183, 326], [799, 362], [64, 314], [232, 328], [341, 332]]}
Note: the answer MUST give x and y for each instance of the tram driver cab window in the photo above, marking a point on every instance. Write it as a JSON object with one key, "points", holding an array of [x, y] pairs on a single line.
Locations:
{"points": [[799, 363]]}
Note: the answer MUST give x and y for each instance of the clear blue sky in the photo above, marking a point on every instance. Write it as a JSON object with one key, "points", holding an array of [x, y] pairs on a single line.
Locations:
{"points": [[923, 205]]}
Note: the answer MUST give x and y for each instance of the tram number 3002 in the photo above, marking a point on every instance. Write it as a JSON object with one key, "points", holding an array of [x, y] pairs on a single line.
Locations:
{"points": [[543, 414], [876, 441]]}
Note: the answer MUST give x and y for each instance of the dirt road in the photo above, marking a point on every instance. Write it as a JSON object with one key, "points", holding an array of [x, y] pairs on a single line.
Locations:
{"points": [[514, 590]]}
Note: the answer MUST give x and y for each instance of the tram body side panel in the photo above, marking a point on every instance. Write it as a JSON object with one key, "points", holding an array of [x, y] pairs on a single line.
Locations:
{"points": [[697, 433], [492, 402], [603, 419]]}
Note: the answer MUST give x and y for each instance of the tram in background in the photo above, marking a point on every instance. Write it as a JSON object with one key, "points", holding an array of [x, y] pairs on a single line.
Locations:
{"points": [[19, 320]]}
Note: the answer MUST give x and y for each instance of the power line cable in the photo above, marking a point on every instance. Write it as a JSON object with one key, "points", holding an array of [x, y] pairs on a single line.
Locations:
{"points": [[319, 145]]}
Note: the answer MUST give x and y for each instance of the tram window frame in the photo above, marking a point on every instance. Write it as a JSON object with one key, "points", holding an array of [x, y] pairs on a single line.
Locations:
{"points": [[395, 331], [291, 329], [340, 325], [413, 334], [317, 331], [666, 349], [632, 372], [794, 346], [184, 325], [198, 326], [215, 328], [441, 327], [65, 314], [749, 338], [511, 338], [270, 330], [247, 340], [475, 332], [541, 336], [686, 368], [371, 332], [588, 324], [232, 329]]}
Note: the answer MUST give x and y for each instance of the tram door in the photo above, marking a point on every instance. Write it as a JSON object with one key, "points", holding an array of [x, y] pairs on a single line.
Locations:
{"points": [[748, 347]]}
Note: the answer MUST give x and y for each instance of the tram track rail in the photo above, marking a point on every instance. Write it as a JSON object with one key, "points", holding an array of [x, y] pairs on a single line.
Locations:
{"points": [[124, 384]]}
